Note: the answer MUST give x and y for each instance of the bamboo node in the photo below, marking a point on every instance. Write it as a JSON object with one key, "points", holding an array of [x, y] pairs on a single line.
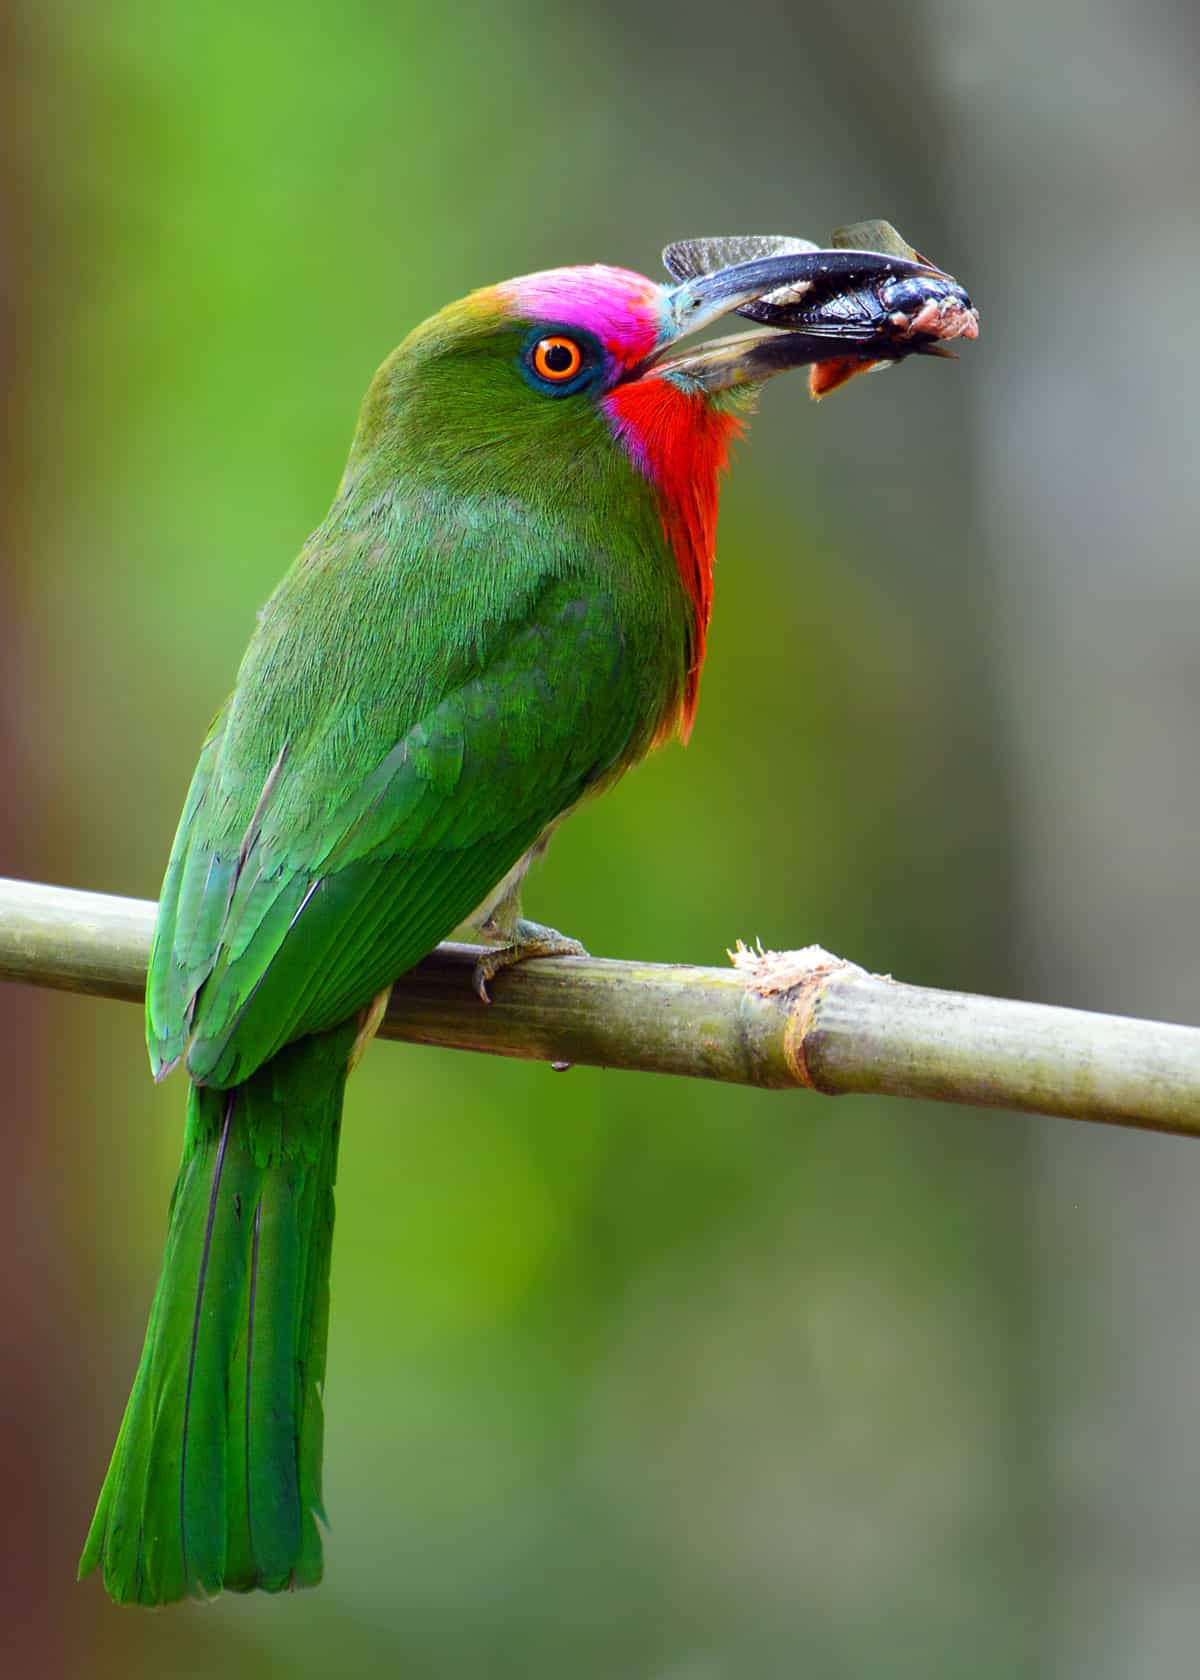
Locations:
{"points": [[800, 976], [770, 972]]}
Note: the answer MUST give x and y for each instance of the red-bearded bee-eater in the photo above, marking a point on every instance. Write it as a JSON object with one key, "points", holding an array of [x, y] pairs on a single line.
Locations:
{"points": [[505, 607]]}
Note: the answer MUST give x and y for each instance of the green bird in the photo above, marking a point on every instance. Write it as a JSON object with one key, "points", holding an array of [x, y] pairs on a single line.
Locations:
{"points": [[505, 608]]}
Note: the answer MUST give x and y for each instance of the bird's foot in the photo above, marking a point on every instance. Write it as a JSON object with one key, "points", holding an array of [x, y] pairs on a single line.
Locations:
{"points": [[525, 941]]}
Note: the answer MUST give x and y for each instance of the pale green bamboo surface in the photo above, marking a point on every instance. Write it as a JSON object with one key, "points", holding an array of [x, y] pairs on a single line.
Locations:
{"points": [[791, 1020]]}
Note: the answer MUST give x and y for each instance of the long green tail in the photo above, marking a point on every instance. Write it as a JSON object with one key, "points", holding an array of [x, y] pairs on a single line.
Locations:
{"points": [[215, 1479]]}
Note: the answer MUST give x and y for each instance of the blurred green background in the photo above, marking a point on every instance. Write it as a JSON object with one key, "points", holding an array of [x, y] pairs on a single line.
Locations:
{"points": [[630, 1377]]}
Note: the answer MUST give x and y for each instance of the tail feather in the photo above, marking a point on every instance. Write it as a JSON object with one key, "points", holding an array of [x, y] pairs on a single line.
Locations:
{"points": [[215, 1480]]}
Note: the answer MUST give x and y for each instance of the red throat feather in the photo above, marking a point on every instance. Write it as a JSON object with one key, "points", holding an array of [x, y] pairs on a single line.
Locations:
{"points": [[680, 442]]}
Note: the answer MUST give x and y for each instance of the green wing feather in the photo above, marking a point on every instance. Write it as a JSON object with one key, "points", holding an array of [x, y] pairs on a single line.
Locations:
{"points": [[316, 861]]}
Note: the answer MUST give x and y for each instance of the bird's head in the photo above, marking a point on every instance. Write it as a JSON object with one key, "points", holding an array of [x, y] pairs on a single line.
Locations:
{"points": [[539, 360]]}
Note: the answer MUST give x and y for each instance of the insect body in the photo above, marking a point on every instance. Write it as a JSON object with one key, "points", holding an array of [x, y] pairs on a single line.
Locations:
{"points": [[911, 310]]}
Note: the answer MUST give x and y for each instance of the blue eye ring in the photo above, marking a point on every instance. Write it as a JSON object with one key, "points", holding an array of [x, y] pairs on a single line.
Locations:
{"points": [[558, 361]]}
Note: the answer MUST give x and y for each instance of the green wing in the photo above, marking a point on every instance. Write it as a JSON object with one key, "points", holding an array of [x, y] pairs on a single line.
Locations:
{"points": [[287, 923]]}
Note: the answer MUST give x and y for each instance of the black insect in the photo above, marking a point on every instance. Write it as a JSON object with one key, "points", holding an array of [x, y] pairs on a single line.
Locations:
{"points": [[914, 310]]}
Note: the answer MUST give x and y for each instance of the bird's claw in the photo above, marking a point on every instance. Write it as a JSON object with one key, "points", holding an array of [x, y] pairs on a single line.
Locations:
{"points": [[529, 940]]}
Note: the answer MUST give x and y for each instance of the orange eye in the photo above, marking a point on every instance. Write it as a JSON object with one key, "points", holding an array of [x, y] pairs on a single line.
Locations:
{"points": [[557, 359]]}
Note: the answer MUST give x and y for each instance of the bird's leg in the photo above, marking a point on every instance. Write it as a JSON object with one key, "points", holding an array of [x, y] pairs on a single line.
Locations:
{"points": [[521, 940], [371, 1019]]}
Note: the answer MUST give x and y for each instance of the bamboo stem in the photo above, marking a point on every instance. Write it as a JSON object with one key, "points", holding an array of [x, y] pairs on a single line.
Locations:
{"points": [[790, 1020]]}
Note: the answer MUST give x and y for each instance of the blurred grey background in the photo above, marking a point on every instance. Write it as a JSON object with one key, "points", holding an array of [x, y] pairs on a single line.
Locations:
{"points": [[629, 1377]]}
